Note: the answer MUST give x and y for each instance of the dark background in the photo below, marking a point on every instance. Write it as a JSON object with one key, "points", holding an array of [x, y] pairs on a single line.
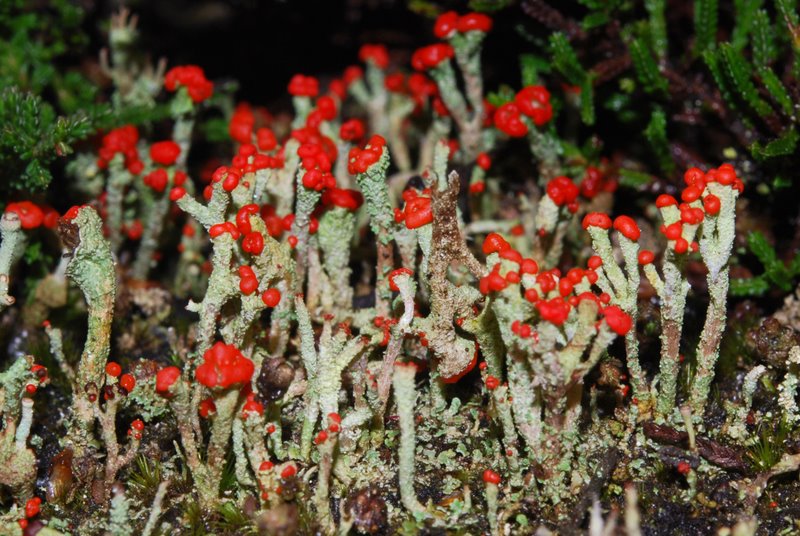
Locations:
{"points": [[261, 44]]}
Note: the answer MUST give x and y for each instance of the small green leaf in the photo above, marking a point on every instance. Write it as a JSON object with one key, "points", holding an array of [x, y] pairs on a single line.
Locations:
{"points": [[587, 101], [782, 146], [705, 25], [754, 286], [763, 39], [647, 70], [658, 26], [565, 59], [656, 134], [634, 179], [738, 71]]}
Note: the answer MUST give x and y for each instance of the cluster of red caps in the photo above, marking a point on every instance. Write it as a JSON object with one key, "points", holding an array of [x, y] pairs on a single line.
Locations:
{"points": [[696, 206], [417, 210], [32, 215], [192, 78], [532, 102], [123, 141], [554, 310], [32, 507], [165, 153]]}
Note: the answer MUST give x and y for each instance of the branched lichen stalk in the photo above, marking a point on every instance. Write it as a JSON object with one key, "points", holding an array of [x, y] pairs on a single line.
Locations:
{"points": [[10, 250], [405, 395], [92, 268]]}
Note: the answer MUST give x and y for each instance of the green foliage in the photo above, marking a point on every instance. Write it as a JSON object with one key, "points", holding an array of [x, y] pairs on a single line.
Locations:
{"points": [[646, 68], [656, 134], [233, 521], [776, 273], [565, 60], [781, 146], [658, 26], [146, 476], [744, 21], [763, 39], [737, 74], [32, 136], [530, 66], [634, 179], [769, 445], [705, 25]]}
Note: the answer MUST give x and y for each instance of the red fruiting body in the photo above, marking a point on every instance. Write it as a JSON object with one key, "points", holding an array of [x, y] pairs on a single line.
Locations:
{"points": [[138, 425], [113, 369], [128, 382], [684, 468], [207, 407], [467, 369], [681, 245], [673, 231], [157, 180], [492, 383], [252, 406], [430, 56], [292, 241], [243, 218], [646, 257], [289, 471], [490, 477], [511, 255], [32, 507], [474, 22], [303, 86], [341, 197], [417, 211], [222, 228], [507, 119], [122, 141], [377, 54], [494, 243], [627, 227], [193, 78], [446, 25], [554, 311], [271, 297], [665, 200], [528, 266], [597, 219], [247, 280], [691, 193], [30, 215], [176, 193], [484, 161], [711, 204], [165, 152], [564, 287], [619, 322], [165, 378], [224, 366], [477, 187], [352, 130], [396, 273], [594, 262], [253, 243], [322, 437], [534, 101], [531, 295], [359, 160], [562, 191], [266, 466]]}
